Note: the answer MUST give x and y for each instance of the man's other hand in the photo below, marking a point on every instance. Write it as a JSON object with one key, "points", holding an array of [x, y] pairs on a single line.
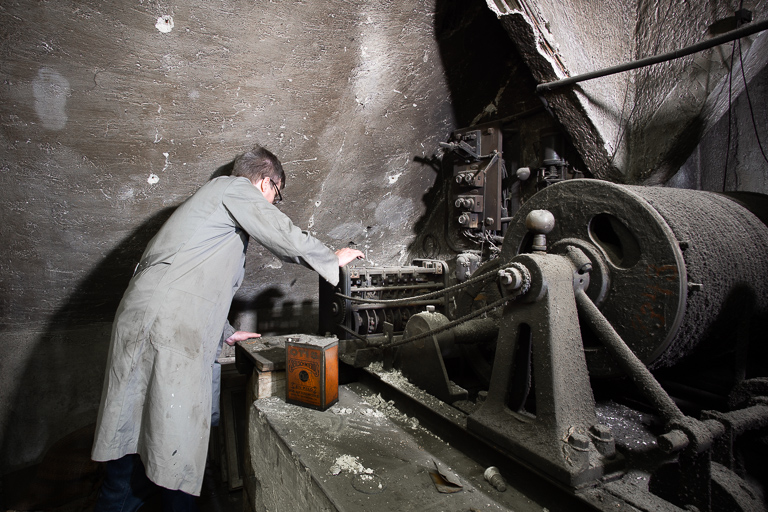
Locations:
{"points": [[348, 254], [241, 336]]}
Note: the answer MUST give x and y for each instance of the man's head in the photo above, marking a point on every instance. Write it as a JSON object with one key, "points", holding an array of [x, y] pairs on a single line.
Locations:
{"points": [[263, 169]]}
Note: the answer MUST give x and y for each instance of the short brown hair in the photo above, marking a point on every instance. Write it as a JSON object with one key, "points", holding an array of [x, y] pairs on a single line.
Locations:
{"points": [[257, 164]]}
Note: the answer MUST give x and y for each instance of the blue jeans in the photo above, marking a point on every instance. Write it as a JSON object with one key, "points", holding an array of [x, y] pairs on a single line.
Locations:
{"points": [[126, 488]]}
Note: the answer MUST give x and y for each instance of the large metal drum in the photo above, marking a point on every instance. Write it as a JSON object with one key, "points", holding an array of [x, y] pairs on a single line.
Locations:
{"points": [[672, 268]]}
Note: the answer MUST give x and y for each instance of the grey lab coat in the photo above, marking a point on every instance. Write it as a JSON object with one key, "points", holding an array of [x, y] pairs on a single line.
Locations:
{"points": [[157, 392]]}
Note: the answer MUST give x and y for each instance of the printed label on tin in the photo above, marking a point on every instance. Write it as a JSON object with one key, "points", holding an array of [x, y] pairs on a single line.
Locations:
{"points": [[303, 367]]}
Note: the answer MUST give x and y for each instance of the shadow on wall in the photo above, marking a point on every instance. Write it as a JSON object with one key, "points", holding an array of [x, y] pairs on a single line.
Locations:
{"points": [[486, 77], [270, 316], [57, 395], [224, 170], [487, 81], [432, 242]]}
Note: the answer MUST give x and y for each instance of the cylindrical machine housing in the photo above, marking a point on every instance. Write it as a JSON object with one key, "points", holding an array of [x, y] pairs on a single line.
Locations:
{"points": [[671, 268]]}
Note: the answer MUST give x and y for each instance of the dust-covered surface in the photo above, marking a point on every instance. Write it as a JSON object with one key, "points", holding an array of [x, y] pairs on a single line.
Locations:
{"points": [[396, 379], [390, 410], [726, 254], [349, 457], [640, 125], [631, 429]]}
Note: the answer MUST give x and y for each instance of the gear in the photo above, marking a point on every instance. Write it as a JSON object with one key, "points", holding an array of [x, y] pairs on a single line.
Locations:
{"points": [[339, 310], [526, 275]]}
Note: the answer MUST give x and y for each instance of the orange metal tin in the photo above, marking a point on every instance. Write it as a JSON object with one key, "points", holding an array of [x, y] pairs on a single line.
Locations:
{"points": [[312, 371]]}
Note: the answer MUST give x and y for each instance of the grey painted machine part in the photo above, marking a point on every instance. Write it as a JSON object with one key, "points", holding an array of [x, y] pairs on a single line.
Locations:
{"points": [[684, 431], [666, 263], [635, 278], [539, 335]]}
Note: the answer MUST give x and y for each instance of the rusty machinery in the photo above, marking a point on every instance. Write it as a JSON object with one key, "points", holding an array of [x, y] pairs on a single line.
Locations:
{"points": [[613, 315], [483, 194], [360, 325]]}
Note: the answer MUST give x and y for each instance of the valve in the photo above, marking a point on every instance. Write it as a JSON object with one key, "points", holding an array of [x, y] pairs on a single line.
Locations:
{"points": [[523, 173], [465, 202]]}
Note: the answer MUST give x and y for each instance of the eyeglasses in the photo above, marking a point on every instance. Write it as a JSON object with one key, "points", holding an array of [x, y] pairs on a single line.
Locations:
{"points": [[279, 198]]}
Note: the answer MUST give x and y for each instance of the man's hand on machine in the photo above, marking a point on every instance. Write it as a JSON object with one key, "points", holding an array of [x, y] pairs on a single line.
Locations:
{"points": [[241, 336], [345, 255], [348, 254]]}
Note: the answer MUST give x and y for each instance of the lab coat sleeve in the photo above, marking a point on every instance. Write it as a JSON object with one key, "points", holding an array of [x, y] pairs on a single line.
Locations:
{"points": [[274, 230], [228, 331], [216, 377]]}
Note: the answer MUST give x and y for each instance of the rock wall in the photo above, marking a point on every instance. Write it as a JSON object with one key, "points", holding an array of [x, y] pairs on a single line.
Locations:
{"points": [[638, 126], [112, 113]]}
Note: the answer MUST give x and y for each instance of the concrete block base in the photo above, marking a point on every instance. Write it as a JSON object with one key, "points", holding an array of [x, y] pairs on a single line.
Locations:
{"points": [[348, 458]]}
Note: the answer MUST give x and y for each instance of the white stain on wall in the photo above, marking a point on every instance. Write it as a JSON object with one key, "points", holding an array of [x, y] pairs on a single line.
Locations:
{"points": [[164, 24], [51, 91], [373, 75]]}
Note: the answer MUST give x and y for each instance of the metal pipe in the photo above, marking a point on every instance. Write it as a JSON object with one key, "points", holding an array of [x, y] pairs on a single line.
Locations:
{"points": [[626, 359], [744, 31], [745, 420], [384, 305], [363, 289], [477, 330]]}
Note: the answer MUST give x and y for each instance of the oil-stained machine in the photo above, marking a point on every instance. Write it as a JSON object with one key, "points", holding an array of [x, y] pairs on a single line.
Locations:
{"points": [[360, 308], [615, 344]]}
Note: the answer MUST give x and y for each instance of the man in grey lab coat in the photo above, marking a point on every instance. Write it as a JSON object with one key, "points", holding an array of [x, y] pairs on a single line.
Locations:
{"points": [[155, 413]]}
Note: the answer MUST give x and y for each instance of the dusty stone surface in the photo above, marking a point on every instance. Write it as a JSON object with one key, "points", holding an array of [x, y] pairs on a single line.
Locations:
{"points": [[350, 457], [108, 121]]}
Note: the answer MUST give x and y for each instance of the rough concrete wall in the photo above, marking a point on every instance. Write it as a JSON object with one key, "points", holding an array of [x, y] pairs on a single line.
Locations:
{"points": [[112, 113], [638, 126], [529, 31], [595, 35], [747, 168], [585, 36], [669, 114]]}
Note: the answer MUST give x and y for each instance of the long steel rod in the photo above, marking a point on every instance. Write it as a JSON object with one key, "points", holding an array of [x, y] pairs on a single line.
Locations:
{"points": [[389, 288], [744, 31], [384, 305]]}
